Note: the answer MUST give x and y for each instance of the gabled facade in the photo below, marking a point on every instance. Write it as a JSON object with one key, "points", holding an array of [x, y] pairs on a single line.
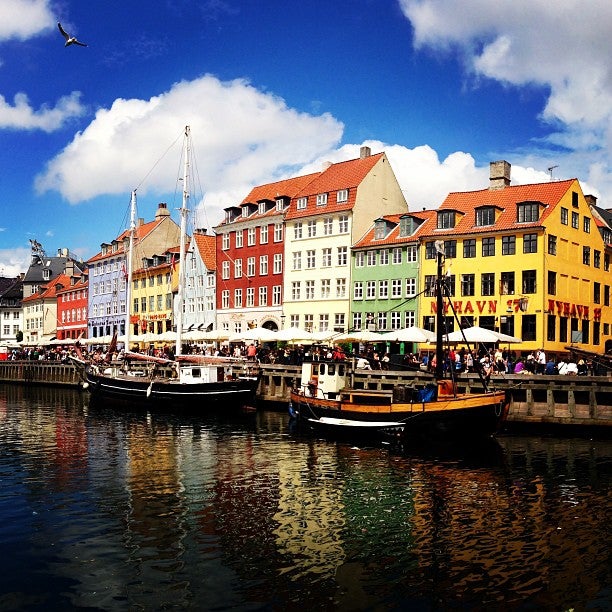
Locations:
{"points": [[385, 273], [250, 257], [323, 221], [200, 270], [11, 313], [108, 271], [527, 260], [72, 308]]}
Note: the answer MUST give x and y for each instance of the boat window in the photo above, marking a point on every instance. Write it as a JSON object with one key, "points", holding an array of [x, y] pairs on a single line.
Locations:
{"points": [[331, 369], [196, 373], [322, 368], [341, 369]]}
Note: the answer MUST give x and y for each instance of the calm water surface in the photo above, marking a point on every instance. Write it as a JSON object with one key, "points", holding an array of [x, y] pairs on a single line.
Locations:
{"points": [[108, 510]]}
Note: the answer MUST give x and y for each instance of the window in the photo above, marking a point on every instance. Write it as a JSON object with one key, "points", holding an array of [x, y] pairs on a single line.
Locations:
{"points": [[325, 288], [564, 216], [574, 199], [371, 258], [411, 253], [467, 284], [383, 289], [342, 195], [606, 295], [297, 230], [596, 258], [552, 244], [485, 216], [310, 259], [309, 322], [263, 265], [238, 268], [396, 319], [527, 212], [530, 243], [341, 287], [469, 248], [597, 293], [430, 285], [310, 290], [487, 282], [339, 321], [396, 256], [450, 248], [342, 256], [357, 320], [575, 220], [295, 290], [488, 247], [508, 245], [237, 298], [552, 282], [301, 203], [586, 225], [586, 255], [278, 232], [323, 322], [380, 229], [358, 290], [396, 288], [507, 283], [343, 223], [430, 250], [359, 259], [383, 257], [251, 236], [326, 259], [225, 298], [250, 266], [263, 296], [529, 282], [225, 270], [312, 228], [321, 199], [263, 234], [370, 290], [382, 320], [278, 263], [405, 226], [328, 226], [225, 242], [280, 205], [297, 260], [239, 239], [446, 219]]}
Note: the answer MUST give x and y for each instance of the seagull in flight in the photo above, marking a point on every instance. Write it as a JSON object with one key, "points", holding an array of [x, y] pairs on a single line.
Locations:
{"points": [[70, 40]]}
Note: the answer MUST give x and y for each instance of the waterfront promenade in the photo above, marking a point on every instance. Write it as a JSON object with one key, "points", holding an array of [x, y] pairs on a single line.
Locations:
{"points": [[538, 399]]}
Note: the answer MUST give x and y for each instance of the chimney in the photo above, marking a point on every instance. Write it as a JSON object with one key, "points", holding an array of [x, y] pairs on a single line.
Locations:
{"points": [[364, 152], [591, 200], [326, 165], [499, 174], [201, 231], [162, 211]]}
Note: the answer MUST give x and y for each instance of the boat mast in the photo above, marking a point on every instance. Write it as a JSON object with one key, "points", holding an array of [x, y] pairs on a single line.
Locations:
{"points": [[183, 244], [129, 271], [439, 372]]}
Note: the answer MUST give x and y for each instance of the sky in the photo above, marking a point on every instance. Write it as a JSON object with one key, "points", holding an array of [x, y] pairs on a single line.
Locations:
{"points": [[272, 89]]}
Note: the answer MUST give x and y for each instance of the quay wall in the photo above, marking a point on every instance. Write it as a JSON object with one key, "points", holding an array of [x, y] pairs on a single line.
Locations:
{"points": [[535, 399]]}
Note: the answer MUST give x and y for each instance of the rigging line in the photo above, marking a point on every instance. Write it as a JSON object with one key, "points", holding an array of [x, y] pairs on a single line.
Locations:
{"points": [[159, 160]]}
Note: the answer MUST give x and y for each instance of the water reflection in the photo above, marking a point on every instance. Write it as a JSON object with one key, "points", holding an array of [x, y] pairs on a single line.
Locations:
{"points": [[112, 509]]}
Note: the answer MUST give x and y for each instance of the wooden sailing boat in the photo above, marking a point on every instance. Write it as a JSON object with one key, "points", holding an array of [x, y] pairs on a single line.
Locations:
{"points": [[326, 401], [193, 382]]}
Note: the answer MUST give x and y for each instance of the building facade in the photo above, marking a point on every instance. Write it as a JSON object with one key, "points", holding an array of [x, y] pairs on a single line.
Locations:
{"points": [[11, 310], [72, 308], [332, 212]]}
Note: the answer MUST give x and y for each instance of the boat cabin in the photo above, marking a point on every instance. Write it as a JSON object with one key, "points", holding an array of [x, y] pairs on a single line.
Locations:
{"points": [[203, 373], [324, 379]]}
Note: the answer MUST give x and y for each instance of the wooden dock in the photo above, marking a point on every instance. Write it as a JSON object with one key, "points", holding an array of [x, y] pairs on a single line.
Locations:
{"points": [[536, 399]]}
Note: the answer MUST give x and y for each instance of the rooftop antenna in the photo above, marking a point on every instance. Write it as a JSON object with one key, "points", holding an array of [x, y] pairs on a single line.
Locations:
{"points": [[550, 171]]}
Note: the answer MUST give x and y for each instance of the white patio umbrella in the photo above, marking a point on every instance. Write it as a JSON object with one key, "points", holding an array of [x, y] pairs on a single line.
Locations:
{"points": [[410, 334], [479, 335], [260, 334], [294, 334], [363, 336]]}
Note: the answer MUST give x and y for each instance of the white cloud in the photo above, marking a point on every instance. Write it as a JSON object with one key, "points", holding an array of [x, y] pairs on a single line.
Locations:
{"points": [[241, 137], [22, 19], [563, 47], [14, 261], [20, 115]]}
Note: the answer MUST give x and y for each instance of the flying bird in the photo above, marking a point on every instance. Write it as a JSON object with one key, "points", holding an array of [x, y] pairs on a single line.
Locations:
{"points": [[70, 40]]}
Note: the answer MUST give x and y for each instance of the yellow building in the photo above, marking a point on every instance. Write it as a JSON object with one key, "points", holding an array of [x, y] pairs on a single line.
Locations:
{"points": [[531, 261]]}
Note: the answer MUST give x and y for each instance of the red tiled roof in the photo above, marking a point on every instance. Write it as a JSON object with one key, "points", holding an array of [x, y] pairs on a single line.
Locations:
{"points": [[206, 246], [393, 237], [505, 199], [342, 175], [49, 291]]}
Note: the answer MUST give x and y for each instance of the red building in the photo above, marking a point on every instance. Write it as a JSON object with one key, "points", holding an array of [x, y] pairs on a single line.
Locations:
{"points": [[250, 247], [72, 308]]}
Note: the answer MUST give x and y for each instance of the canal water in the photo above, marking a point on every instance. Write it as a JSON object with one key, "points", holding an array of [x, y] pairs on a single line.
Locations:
{"points": [[103, 509]]}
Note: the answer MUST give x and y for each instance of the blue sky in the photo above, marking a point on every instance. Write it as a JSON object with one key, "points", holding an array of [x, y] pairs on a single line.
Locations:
{"points": [[273, 88]]}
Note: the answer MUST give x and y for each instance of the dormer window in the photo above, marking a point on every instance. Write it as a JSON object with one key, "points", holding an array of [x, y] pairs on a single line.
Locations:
{"points": [[446, 219], [342, 195], [245, 211], [380, 229], [485, 215], [262, 208], [46, 274], [527, 212], [321, 199], [406, 226], [280, 205], [301, 203]]}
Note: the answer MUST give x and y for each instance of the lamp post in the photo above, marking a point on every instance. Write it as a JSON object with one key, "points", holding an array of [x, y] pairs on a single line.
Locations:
{"points": [[282, 319]]}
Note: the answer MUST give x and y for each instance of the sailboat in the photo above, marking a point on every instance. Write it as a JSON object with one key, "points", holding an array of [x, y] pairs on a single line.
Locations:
{"points": [[327, 402], [187, 381]]}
